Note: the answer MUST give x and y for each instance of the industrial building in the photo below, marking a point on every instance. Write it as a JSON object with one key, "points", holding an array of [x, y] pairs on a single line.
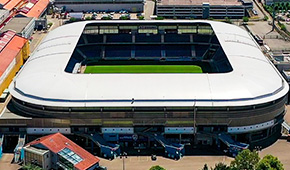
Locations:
{"points": [[13, 50], [20, 8], [202, 9], [23, 26], [141, 83], [100, 5]]}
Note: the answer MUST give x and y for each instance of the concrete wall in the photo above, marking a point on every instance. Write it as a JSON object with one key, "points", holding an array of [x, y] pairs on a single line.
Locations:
{"points": [[46, 161], [28, 30], [4, 14], [51, 130]]}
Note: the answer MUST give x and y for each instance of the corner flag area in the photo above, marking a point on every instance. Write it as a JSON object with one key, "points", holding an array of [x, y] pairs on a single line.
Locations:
{"points": [[143, 69]]}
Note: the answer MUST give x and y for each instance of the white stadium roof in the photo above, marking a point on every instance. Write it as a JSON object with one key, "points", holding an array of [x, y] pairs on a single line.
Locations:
{"points": [[43, 81]]}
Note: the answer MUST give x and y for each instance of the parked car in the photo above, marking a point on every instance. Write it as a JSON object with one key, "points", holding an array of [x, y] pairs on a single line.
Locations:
{"points": [[255, 12]]}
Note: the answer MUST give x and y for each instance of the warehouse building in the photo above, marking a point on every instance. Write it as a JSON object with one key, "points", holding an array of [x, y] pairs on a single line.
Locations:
{"points": [[23, 26], [101, 5], [13, 51]]}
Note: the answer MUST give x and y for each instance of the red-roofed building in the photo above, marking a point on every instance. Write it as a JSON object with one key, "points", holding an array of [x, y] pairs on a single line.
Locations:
{"points": [[35, 8], [13, 50], [56, 151]]}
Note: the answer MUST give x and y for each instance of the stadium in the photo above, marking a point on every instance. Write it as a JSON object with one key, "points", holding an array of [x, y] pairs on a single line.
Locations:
{"points": [[202, 82]]}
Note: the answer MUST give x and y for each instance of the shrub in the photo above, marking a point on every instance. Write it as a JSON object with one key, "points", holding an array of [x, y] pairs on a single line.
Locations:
{"points": [[88, 18], [283, 27], [106, 18], [72, 19], [228, 20], [157, 167], [245, 19], [124, 18], [160, 18]]}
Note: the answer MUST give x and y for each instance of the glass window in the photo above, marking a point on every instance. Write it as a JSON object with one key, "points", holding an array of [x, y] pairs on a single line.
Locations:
{"points": [[70, 156]]}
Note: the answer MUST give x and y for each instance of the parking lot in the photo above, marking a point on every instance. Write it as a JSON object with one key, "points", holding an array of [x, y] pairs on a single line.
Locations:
{"points": [[272, 38], [258, 15]]}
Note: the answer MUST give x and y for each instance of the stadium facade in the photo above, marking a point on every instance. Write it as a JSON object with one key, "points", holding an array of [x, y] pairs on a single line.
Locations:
{"points": [[239, 92]]}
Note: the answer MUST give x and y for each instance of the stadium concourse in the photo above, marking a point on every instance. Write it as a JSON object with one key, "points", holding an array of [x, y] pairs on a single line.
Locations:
{"points": [[151, 85]]}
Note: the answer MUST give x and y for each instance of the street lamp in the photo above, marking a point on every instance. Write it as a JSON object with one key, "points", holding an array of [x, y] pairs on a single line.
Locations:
{"points": [[123, 156], [258, 148]]}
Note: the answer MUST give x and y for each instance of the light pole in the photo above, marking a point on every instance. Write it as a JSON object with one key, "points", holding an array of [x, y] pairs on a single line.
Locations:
{"points": [[123, 156]]}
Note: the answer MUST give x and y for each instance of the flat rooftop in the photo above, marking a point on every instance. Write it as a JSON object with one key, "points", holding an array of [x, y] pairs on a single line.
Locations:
{"points": [[200, 2], [2, 11], [36, 150], [17, 24]]}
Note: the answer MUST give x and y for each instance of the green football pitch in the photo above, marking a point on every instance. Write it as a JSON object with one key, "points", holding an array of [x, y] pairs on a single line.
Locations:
{"points": [[143, 69]]}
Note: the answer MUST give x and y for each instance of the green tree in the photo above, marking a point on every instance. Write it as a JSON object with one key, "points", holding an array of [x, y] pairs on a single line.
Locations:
{"points": [[141, 17], [221, 166], [157, 167], [269, 162], [205, 167], [228, 20], [245, 19], [31, 167], [266, 18], [245, 160]]}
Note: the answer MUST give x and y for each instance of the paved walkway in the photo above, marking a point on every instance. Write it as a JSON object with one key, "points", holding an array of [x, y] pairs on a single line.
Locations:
{"points": [[280, 149], [287, 116], [5, 162], [38, 36], [145, 162], [148, 9]]}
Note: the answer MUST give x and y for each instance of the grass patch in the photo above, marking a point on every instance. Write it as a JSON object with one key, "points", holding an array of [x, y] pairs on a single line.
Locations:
{"points": [[144, 69], [128, 122], [179, 122]]}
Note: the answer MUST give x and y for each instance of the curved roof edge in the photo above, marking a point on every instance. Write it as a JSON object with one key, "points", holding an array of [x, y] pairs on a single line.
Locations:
{"points": [[254, 78]]}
